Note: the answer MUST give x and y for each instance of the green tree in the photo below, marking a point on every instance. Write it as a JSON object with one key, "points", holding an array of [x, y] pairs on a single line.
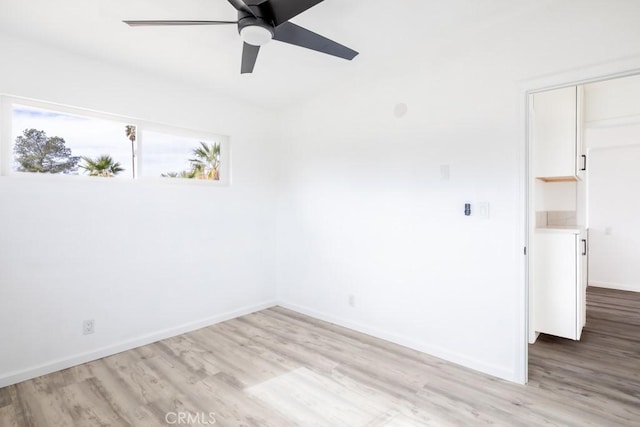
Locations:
{"points": [[130, 131], [206, 161], [35, 152], [101, 166]]}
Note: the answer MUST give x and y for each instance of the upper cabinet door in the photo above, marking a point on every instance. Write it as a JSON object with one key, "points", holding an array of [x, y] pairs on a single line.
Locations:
{"points": [[555, 134], [581, 152]]}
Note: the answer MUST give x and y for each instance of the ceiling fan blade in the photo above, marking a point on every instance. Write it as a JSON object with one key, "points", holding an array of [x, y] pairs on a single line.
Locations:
{"points": [[241, 5], [249, 56], [298, 36], [283, 10], [165, 23]]}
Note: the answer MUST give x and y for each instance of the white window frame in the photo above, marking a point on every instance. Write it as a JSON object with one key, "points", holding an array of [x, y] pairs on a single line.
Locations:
{"points": [[6, 144]]}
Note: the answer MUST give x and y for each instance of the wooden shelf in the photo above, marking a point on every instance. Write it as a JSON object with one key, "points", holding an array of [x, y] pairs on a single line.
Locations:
{"points": [[557, 178]]}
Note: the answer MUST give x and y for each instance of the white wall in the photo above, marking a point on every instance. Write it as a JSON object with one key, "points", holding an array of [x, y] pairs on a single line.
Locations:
{"points": [[145, 260], [363, 210], [612, 100], [555, 196], [614, 229], [612, 137]]}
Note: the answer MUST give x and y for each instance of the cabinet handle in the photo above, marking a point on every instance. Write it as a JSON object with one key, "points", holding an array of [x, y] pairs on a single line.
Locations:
{"points": [[584, 162], [584, 247]]}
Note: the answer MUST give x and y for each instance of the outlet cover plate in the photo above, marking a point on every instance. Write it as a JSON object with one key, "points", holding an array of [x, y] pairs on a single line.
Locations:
{"points": [[88, 327]]}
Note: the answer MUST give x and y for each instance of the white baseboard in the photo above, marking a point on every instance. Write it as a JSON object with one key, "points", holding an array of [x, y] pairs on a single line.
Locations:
{"points": [[533, 337], [618, 286], [67, 362], [74, 360], [459, 359]]}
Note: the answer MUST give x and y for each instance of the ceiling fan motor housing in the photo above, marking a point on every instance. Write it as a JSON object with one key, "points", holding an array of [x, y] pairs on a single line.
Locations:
{"points": [[255, 30]]}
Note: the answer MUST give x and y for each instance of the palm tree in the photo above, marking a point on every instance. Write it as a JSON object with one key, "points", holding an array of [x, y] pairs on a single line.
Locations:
{"points": [[130, 131], [206, 164], [183, 174], [101, 166]]}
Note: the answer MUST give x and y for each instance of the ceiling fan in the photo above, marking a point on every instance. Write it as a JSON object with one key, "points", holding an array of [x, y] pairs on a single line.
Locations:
{"points": [[260, 21]]}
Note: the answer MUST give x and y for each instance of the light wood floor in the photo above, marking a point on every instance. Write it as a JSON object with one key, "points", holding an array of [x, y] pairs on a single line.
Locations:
{"points": [[278, 368]]}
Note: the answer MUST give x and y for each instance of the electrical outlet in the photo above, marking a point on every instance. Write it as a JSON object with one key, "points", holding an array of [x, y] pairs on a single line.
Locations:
{"points": [[88, 326], [352, 301]]}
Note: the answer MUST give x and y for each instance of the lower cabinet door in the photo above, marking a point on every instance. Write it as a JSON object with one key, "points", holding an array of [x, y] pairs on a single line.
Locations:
{"points": [[583, 272], [555, 284]]}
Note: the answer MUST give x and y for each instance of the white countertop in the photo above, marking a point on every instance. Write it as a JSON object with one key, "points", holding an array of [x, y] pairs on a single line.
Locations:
{"points": [[573, 229]]}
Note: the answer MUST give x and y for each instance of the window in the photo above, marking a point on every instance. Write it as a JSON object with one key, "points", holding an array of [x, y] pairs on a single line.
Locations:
{"points": [[180, 156], [46, 139]]}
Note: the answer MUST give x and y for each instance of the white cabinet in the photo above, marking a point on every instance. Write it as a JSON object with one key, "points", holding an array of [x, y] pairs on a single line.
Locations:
{"points": [[560, 283], [583, 281], [558, 152]]}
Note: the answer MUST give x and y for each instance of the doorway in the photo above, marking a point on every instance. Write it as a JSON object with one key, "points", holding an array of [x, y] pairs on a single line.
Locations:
{"points": [[606, 126]]}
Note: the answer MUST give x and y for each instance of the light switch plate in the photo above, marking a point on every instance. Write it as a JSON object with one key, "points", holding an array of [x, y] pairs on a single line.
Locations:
{"points": [[444, 172], [483, 210]]}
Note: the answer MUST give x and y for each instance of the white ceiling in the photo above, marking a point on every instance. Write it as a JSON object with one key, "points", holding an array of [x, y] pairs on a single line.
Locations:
{"points": [[387, 33]]}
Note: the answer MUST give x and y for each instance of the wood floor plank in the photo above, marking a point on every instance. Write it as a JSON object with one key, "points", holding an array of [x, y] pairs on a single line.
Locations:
{"points": [[309, 398], [223, 396], [5, 397], [113, 388], [388, 365], [240, 359], [41, 407], [181, 352], [601, 373], [280, 368], [287, 349], [8, 417], [138, 376], [87, 405]]}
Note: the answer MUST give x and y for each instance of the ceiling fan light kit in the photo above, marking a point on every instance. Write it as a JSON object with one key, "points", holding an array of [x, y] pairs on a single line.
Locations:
{"points": [[260, 21], [256, 35]]}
